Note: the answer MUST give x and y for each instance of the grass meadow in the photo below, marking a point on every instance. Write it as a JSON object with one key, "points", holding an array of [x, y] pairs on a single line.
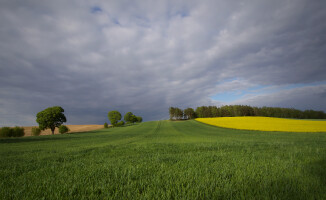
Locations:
{"points": [[165, 160]]}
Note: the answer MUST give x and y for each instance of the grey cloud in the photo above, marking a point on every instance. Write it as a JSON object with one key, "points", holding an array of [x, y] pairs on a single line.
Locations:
{"points": [[144, 57], [309, 97]]}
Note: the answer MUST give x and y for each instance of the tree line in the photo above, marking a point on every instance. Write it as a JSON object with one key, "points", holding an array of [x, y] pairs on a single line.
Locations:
{"points": [[53, 117], [243, 110]]}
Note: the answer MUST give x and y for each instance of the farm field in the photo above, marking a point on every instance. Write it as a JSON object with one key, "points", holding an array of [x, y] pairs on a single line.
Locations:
{"points": [[72, 128], [266, 124], [165, 160]]}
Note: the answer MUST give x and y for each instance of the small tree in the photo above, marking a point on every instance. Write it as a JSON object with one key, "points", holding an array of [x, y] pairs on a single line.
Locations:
{"points": [[172, 112], [50, 118], [114, 117], [189, 113], [106, 125], [139, 119], [129, 117], [63, 129], [178, 113]]}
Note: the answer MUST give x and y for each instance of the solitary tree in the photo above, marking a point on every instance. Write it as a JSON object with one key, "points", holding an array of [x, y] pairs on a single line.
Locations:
{"points": [[114, 117], [50, 118]]}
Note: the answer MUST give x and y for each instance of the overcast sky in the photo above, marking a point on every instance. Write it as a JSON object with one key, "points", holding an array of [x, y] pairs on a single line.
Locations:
{"points": [[90, 57]]}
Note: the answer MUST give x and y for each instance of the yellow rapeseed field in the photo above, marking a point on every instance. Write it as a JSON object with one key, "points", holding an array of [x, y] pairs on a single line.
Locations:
{"points": [[266, 124]]}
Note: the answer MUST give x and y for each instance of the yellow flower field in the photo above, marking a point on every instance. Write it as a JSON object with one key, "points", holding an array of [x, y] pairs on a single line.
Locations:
{"points": [[266, 124]]}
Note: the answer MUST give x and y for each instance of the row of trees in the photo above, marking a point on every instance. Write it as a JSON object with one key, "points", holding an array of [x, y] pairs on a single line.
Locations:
{"points": [[53, 117], [243, 110], [115, 117], [178, 114]]}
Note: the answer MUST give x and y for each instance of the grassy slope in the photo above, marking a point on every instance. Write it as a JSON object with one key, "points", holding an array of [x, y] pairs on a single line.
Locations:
{"points": [[162, 159]]}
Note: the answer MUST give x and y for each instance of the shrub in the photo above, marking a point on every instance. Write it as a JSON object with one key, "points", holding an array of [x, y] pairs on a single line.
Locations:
{"points": [[6, 132], [106, 125], [36, 131], [18, 132], [121, 123], [63, 129]]}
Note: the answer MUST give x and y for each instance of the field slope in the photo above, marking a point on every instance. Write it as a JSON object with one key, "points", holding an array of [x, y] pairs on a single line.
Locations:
{"points": [[165, 160]]}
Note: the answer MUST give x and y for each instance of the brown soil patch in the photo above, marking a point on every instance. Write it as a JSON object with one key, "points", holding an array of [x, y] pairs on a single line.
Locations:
{"points": [[73, 129]]}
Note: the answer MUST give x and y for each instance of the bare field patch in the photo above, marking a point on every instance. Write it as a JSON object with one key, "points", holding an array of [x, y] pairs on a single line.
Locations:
{"points": [[72, 128]]}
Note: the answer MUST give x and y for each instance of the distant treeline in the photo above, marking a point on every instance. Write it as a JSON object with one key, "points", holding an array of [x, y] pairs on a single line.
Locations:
{"points": [[243, 110]]}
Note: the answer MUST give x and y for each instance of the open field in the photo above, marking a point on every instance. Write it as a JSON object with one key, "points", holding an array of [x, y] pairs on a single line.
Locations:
{"points": [[73, 129], [266, 124], [165, 160]]}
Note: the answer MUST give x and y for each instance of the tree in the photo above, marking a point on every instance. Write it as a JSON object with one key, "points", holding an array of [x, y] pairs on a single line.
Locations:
{"points": [[121, 123], [106, 125], [50, 118], [114, 117], [189, 113], [175, 113], [129, 117], [179, 113], [172, 112], [139, 119]]}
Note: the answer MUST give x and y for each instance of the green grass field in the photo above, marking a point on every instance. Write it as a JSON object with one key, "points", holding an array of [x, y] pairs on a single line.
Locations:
{"points": [[165, 160]]}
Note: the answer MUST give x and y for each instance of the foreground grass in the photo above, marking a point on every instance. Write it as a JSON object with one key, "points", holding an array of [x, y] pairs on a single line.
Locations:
{"points": [[165, 160]]}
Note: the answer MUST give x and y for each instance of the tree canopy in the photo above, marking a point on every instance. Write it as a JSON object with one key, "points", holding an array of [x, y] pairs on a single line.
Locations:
{"points": [[114, 117], [189, 113], [139, 119], [130, 117], [50, 118]]}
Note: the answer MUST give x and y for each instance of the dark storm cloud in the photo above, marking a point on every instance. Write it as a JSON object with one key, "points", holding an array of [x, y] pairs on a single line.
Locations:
{"points": [[92, 57]]}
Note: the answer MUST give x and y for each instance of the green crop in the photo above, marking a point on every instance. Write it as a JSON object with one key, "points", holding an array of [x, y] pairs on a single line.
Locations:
{"points": [[165, 160]]}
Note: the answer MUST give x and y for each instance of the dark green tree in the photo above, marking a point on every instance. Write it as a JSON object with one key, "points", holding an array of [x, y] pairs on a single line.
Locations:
{"points": [[189, 113], [129, 117], [114, 117], [172, 112], [139, 119], [50, 118]]}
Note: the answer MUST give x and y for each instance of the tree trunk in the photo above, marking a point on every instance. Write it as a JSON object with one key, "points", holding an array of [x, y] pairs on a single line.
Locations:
{"points": [[52, 129]]}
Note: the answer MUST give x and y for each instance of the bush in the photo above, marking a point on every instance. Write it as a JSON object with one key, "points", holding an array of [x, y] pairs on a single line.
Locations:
{"points": [[121, 123], [36, 131], [6, 132], [18, 132], [106, 125], [63, 129], [12, 132]]}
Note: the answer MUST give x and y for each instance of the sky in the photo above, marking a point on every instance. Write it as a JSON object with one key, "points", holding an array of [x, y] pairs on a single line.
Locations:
{"points": [[91, 57]]}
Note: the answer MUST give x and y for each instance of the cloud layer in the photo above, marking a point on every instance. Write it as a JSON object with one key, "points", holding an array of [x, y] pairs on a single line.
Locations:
{"points": [[141, 56]]}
